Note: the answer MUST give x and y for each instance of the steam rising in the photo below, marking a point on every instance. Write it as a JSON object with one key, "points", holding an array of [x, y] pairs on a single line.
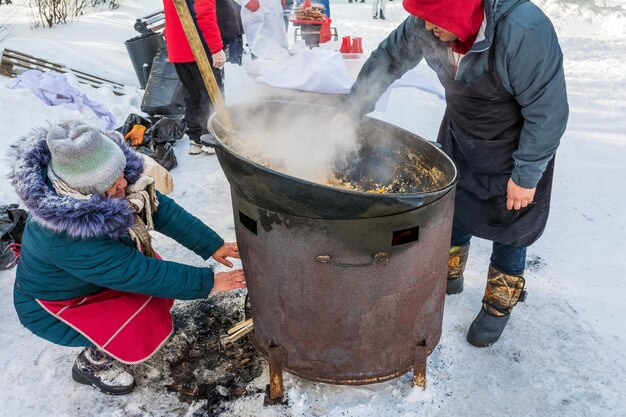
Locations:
{"points": [[315, 143], [303, 145]]}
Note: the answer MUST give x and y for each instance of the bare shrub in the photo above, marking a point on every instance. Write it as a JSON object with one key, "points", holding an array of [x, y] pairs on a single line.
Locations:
{"points": [[112, 4], [54, 12]]}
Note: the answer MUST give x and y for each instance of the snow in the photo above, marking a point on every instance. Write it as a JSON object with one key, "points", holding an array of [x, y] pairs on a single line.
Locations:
{"points": [[563, 352]]}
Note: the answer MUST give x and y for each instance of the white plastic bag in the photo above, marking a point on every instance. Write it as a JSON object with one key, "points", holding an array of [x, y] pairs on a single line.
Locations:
{"points": [[317, 70]]}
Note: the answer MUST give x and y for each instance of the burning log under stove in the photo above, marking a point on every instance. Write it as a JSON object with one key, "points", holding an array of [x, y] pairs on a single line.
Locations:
{"points": [[346, 287]]}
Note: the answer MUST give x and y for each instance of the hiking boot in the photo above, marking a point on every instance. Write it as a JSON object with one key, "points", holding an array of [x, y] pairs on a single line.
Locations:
{"points": [[456, 267], [94, 367], [503, 292], [381, 15], [195, 148]]}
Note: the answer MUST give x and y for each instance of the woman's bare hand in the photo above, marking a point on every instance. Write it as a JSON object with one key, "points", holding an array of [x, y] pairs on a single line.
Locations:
{"points": [[518, 197], [228, 249], [227, 281]]}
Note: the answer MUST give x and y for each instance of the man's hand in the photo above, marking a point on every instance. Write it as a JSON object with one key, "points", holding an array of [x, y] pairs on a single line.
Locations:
{"points": [[219, 58], [518, 197], [228, 249], [253, 5], [226, 281]]}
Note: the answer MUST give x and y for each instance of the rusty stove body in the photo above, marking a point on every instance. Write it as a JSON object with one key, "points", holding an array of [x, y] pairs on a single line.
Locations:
{"points": [[346, 287]]}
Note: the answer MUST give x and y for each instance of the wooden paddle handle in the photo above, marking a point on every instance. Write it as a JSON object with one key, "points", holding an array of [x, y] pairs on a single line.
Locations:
{"points": [[202, 60]]}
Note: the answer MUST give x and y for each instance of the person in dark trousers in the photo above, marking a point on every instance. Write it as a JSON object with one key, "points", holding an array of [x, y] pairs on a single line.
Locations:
{"points": [[229, 22], [198, 105], [87, 274], [378, 8], [502, 69]]}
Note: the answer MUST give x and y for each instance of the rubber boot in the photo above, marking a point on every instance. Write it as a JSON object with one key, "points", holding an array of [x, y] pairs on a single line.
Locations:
{"points": [[456, 266], [503, 292]]}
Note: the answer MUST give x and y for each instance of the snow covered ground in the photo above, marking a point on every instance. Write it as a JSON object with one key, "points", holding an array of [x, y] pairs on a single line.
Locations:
{"points": [[563, 352]]}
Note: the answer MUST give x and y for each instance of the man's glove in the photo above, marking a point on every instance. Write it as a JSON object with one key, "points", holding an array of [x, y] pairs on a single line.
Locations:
{"points": [[135, 135], [253, 5]]}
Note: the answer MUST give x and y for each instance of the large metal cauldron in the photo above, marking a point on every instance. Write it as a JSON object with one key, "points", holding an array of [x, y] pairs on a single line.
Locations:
{"points": [[346, 287]]}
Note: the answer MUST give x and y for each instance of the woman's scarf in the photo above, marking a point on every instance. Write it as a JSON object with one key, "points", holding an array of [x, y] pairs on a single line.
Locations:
{"points": [[142, 198]]}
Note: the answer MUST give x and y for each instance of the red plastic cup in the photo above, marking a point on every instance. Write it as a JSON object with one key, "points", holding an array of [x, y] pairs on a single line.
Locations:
{"points": [[345, 45], [357, 46]]}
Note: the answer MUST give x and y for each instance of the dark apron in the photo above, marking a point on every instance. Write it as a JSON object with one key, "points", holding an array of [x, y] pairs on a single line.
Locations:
{"points": [[480, 131]]}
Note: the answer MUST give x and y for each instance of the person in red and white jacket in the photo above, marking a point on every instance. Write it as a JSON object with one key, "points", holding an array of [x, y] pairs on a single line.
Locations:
{"points": [[198, 106]]}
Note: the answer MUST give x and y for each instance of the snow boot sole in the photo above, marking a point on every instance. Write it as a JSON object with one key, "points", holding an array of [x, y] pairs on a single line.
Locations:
{"points": [[454, 286], [486, 329], [83, 378]]}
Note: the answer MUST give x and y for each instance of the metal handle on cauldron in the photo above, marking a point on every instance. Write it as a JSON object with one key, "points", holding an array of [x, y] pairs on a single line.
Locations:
{"points": [[381, 257]]}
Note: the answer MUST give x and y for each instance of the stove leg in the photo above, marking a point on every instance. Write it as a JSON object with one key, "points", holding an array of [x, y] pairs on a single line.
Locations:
{"points": [[419, 365], [275, 391]]}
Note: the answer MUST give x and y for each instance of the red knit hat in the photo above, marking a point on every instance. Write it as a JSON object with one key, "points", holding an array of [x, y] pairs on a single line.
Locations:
{"points": [[461, 17]]}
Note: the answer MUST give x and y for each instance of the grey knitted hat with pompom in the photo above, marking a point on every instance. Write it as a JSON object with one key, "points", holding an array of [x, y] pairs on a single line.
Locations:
{"points": [[84, 158]]}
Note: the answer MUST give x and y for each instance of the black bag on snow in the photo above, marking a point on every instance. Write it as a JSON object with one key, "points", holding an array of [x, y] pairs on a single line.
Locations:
{"points": [[12, 222], [158, 136]]}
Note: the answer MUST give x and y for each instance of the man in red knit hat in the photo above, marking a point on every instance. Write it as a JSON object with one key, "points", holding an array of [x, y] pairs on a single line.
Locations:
{"points": [[502, 69], [198, 105]]}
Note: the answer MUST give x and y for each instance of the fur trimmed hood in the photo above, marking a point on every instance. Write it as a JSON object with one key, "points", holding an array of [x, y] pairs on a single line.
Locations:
{"points": [[95, 217]]}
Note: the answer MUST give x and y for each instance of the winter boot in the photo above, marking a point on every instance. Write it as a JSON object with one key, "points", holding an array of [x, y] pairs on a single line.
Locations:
{"points": [[381, 15], [456, 266], [503, 292], [195, 148], [375, 16], [205, 145], [94, 367]]}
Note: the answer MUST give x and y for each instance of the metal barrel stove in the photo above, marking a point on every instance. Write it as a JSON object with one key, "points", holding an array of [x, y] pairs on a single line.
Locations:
{"points": [[346, 287]]}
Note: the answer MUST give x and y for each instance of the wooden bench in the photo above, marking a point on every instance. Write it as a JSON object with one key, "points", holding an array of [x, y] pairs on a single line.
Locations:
{"points": [[14, 63]]}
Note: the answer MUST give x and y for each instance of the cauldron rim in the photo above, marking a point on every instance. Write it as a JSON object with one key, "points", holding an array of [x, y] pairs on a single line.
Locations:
{"points": [[219, 145]]}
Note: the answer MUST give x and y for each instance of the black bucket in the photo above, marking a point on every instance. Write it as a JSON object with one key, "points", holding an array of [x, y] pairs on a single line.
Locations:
{"points": [[142, 50]]}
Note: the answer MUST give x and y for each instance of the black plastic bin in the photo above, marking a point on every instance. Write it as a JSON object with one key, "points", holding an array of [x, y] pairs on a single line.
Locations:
{"points": [[142, 50]]}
